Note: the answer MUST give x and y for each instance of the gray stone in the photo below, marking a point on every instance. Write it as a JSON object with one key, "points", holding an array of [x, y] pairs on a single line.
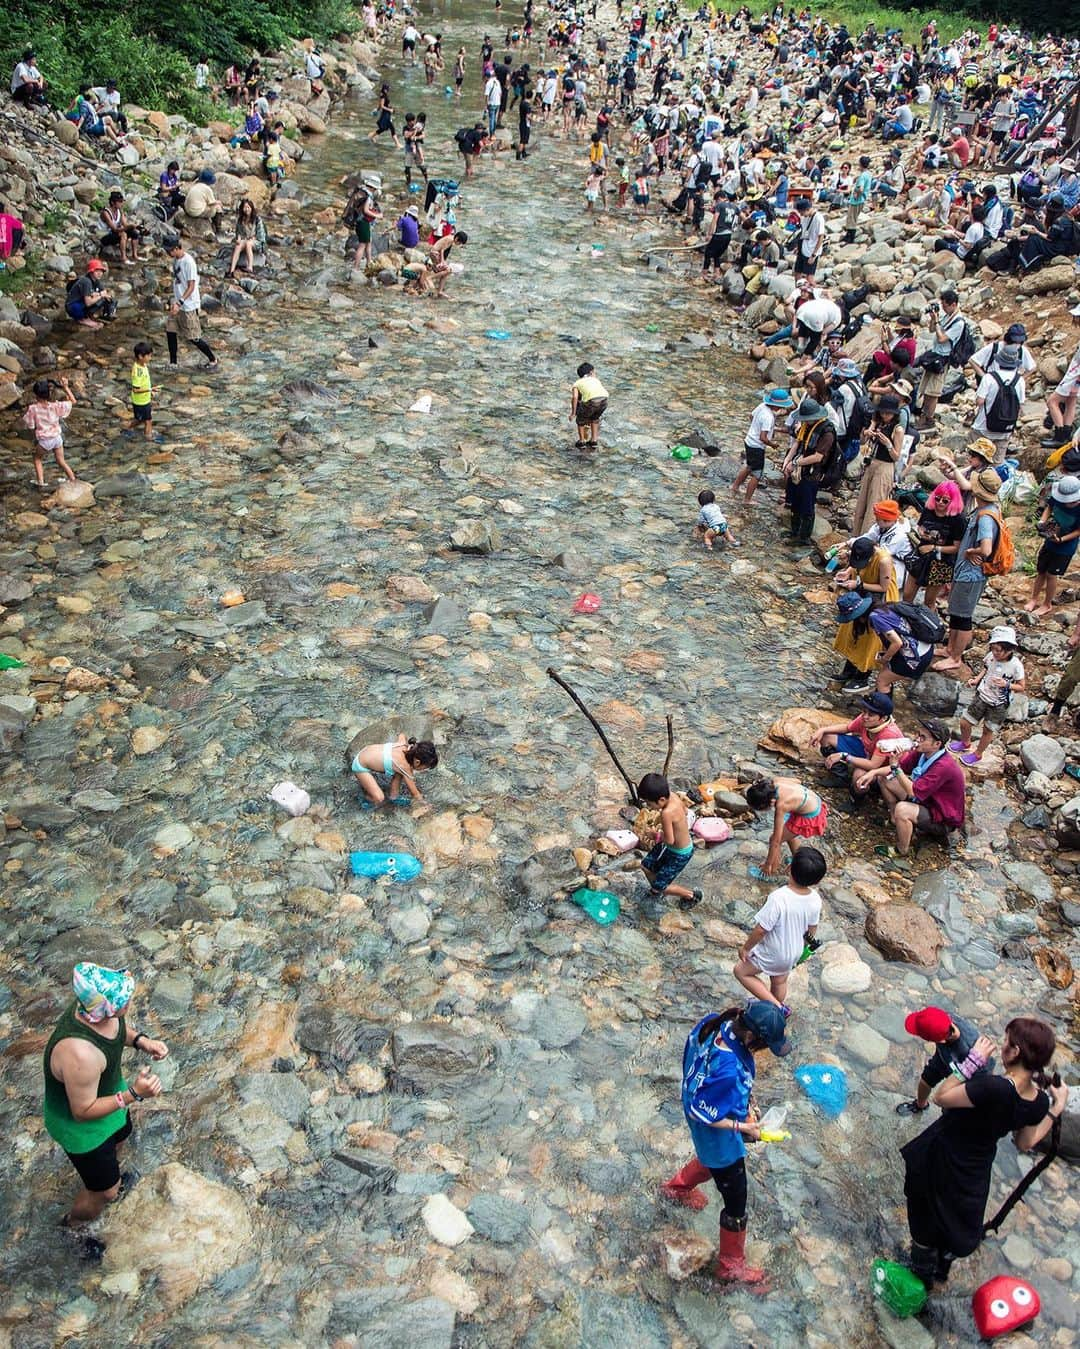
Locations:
{"points": [[607, 1175], [121, 485], [426, 1053], [417, 1323], [245, 615], [609, 1322], [101, 945], [544, 873], [442, 615], [559, 1022], [934, 695], [172, 994], [1067, 823], [285, 1093], [877, 255], [866, 1045], [410, 925], [1042, 754], [98, 801], [475, 536], [499, 1219], [14, 719], [1030, 879], [45, 815]]}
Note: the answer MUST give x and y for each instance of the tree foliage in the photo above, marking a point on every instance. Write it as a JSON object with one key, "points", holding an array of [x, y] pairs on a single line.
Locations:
{"points": [[150, 46]]}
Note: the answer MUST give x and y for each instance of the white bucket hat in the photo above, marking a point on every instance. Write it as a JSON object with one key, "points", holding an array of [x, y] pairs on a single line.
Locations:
{"points": [[1067, 491], [1005, 635]]}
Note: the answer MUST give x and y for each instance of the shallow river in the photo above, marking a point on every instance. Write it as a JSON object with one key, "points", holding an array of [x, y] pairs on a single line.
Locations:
{"points": [[276, 979]]}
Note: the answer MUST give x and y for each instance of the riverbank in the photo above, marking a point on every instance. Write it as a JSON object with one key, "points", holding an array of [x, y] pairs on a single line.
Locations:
{"points": [[440, 1112]]}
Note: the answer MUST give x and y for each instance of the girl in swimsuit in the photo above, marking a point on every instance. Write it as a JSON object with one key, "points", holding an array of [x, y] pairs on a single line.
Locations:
{"points": [[798, 814], [383, 770]]}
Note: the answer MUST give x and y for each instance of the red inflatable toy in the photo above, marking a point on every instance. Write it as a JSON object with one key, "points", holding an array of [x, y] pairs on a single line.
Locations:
{"points": [[1003, 1304], [587, 604]]}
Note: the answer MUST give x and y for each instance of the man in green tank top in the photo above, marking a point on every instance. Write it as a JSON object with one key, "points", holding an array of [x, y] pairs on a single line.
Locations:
{"points": [[86, 1096]]}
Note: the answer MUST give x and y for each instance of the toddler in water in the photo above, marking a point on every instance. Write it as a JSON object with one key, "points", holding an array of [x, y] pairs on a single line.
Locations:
{"points": [[712, 522], [44, 417], [382, 770], [593, 184]]}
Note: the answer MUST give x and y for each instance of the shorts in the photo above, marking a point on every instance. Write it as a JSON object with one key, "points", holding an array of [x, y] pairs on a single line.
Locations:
{"points": [[1068, 387], [932, 383], [964, 596], [992, 713], [363, 231], [665, 864], [99, 1168], [804, 266], [590, 411], [142, 412], [754, 456], [186, 323], [1051, 562], [926, 825], [904, 668], [407, 46], [808, 826], [851, 744], [49, 443]]}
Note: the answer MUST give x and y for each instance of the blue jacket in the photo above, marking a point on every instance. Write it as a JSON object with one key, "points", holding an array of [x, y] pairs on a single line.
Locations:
{"points": [[716, 1086]]}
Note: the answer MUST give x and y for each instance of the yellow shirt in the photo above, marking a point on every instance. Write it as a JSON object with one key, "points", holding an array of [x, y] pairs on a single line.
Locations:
{"points": [[589, 387], [140, 385], [596, 153]]}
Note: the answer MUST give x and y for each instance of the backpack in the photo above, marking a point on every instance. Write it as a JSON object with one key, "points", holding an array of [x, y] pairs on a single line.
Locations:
{"points": [[833, 467], [862, 411], [1005, 409], [923, 623], [1003, 556], [964, 347]]}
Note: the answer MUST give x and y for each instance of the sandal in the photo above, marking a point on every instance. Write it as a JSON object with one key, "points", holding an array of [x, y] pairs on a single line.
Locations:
{"points": [[755, 871], [886, 850]]}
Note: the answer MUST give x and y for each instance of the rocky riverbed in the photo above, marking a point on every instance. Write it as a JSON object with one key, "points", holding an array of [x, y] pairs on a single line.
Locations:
{"points": [[437, 1113]]}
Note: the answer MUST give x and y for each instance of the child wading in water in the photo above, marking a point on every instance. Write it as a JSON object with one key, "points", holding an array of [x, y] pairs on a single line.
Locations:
{"points": [[712, 522], [44, 417], [782, 926], [673, 847], [798, 814], [383, 770]]}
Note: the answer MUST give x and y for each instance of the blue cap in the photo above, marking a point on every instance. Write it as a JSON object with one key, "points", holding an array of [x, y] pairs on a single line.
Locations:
{"points": [[768, 1023], [852, 605], [778, 398]]}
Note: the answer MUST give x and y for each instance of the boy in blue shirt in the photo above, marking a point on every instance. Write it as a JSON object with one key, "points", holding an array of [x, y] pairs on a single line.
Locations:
{"points": [[718, 1077]]}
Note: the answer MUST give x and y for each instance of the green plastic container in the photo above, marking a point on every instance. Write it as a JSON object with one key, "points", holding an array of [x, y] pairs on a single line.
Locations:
{"points": [[903, 1292], [599, 904], [682, 453], [10, 663]]}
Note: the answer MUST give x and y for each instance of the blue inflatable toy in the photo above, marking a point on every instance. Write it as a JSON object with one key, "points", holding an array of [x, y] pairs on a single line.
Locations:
{"points": [[825, 1084], [399, 866], [498, 334]]}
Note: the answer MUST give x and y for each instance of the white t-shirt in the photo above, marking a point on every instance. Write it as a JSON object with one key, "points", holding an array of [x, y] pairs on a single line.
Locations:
{"points": [[762, 423], [24, 73], [202, 75], [811, 237], [410, 33], [712, 517], [185, 271], [988, 392], [785, 916], [982, 359], [1071, 378], [989, 690], [314, 66], [973, 235], [818, 314], [493, 92], [712, 152]]}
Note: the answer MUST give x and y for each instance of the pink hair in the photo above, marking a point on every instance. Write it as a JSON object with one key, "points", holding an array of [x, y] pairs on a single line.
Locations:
{"points": [[951, 493]]}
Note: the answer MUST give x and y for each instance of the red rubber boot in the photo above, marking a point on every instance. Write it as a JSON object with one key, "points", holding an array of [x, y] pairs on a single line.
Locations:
{"points": [[731, 1264], [682, 1188]]}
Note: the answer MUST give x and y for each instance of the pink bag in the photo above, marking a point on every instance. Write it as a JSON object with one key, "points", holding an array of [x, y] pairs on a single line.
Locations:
{"points": [[712, 828]]}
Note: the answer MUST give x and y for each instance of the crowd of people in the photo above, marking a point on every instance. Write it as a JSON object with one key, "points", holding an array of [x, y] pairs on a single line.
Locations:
{"points": [[736, 134]]}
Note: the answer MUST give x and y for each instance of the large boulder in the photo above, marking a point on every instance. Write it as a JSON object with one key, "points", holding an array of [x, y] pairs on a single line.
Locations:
{"points": [[1061, 276], [902, 931], [1042, 754], [178, 1228], [935, 695], [790, 734], [67, 133]]}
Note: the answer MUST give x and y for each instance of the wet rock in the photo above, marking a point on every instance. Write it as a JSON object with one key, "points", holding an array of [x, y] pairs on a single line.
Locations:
{"points": [[904, 932], [497, 1218], [426, 1053], [475, 536], [338, 1036], [443, 616], [146, 739], [867, 1045], [45, 815], [121, 485], [445, 1222], [559, 1022], [16, 713], [172, 994], [1030, 879], [935, 695], [308, 391], [409, 589], [684, 1253], [410, 925], [97, 801], [540, 876], [842, 971], [417, 1323], [178, 1227], [75, 496], [575, 564], [630, 1322], [1054, 966], [606, 1175], [102, 945], [1042, 754]]}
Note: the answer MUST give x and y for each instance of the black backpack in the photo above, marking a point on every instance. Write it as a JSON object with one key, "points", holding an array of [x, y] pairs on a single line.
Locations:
{"points": [[1004, 411], [963, 348], [923, 623], [862, 410], [833, 467]]}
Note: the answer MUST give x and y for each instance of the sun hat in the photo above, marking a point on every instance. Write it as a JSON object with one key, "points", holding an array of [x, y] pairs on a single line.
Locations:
{"points": [[96, 265], [768, 1023], [413, 211], [1003, 636], [851, 606], [881, 704], [810, 410], [983, 448], [929, 1023], [778, 398], [1016, 333], [1066, 490], [1007, 359], [986, 485], [847, 367], [1068, 166], [887, 510]]}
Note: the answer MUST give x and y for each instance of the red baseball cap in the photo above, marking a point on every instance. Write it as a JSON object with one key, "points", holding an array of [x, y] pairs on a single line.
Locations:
{"points": [[95, 265], [929, 1023]]}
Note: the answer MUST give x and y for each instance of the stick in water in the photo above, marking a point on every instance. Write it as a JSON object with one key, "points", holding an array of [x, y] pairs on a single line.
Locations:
{"points": [[599, 731], [670, 745]]}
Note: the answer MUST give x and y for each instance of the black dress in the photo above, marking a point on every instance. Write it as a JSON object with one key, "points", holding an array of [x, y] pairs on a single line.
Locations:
{"points": [[949, 1164]]}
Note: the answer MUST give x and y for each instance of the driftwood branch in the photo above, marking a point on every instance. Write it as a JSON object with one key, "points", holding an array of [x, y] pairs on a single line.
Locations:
{"points": [[631, 788]]}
